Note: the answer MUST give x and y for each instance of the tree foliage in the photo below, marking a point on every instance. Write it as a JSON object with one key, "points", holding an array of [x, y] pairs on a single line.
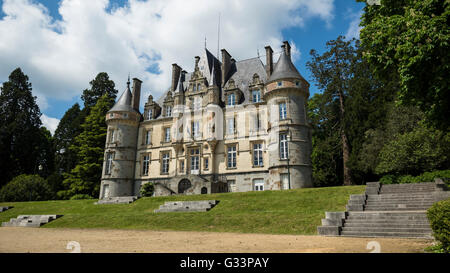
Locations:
{"points": [[89, 145], [100, 86], [411, 39], [26, 188], [20, 133], [68, 128]]}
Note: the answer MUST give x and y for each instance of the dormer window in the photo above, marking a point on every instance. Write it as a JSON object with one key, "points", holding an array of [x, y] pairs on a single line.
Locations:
{"points": [[150, 114], [232, 99], [168, 111], [194, 88], [198, 87], [256, 95]]}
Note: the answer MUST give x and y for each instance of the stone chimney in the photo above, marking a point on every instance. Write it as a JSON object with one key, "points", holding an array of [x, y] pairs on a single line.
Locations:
{"points": [[197, 59], [176, 70], [287, 48], [226, 65], [269, 61], [136, 94]]}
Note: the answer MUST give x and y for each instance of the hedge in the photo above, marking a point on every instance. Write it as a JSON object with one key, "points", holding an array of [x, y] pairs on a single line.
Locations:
{"points": [[439, 217]]}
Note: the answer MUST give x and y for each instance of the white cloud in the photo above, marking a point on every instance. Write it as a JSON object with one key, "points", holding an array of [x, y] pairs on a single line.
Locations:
{"points": [[354, 28], [62, 56], [50, 123]]}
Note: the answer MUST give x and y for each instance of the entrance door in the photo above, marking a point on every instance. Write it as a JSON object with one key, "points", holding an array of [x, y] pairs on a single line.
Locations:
{"points": [[184, 185], [258, 184]]}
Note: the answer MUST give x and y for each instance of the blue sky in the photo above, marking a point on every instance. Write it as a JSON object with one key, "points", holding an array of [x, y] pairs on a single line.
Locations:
{"points": [[62, 45]]}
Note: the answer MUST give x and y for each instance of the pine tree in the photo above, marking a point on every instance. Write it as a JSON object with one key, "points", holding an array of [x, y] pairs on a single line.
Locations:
{"points": [[100, 86], [89, 148], [331, 72], [20, 124]]}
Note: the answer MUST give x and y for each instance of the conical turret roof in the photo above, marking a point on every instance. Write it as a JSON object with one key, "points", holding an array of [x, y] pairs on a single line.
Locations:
{"points": [[284, 69], [124, 102]]}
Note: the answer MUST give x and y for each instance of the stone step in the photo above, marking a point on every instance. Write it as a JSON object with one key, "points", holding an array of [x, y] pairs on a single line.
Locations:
{"points": [[30, 220], [387, 225], [386, 234], [378, 203], [404, 195], [187, 206], [400, 199], [383, 229], [410, 185], [380, 208]]}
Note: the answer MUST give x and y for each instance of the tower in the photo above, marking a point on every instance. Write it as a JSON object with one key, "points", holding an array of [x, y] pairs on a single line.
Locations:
{"points": [[289, 145], [121, 143]]}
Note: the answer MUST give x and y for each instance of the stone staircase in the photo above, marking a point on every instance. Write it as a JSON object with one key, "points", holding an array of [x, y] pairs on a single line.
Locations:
{"points": [[187, 206], [30, 220], [2, 209], [397, 210], [117, 200]]}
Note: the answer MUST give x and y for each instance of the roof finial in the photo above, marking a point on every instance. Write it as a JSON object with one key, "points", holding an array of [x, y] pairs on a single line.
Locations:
{"points": [[128, 82], [205, 41]]}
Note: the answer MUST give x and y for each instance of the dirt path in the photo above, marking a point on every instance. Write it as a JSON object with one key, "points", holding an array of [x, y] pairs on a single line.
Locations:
{"points": [[95, 240]]}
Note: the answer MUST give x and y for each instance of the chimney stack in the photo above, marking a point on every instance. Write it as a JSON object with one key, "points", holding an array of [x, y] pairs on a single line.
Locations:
{"points": [[136, 94], [269, 61], [176, 70], [226, 65], [287, 48]]}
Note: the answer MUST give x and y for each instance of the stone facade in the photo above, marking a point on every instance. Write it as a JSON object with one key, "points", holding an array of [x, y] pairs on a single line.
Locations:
{"points": [[226, 126]]}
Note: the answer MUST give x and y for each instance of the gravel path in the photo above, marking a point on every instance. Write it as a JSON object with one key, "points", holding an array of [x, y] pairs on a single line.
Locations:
{"points": [[96, 240]]}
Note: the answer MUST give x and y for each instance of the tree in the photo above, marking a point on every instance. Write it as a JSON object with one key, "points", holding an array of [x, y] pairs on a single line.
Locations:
{"points": [[100, 86], [89, 148], [331, 72], [410, 39], [20, 132], [46, 158], [68, 128]]}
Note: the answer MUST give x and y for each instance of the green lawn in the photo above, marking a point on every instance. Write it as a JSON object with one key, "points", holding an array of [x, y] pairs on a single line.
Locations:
{"points": [[277, 212]]}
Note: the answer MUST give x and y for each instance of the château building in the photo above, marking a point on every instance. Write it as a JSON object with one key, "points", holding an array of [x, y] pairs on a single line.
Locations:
{"points": [[227, 126]]}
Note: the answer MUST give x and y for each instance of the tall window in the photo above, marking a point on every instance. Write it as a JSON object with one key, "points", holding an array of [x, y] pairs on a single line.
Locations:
{"points": [[257, 154], [284, 152], [197, 103], [195, 87], [198, 87], [195, 129], [206, 163], [109, 159], [195, 159], [150, 113], [231, 151], [283, 110], [145, 164], [230, 126], [167, 134], [231, 99], [165, 162], [256, 94], [181, 166], [112, 136], [148, 137], [168, 111], [256, 122]]}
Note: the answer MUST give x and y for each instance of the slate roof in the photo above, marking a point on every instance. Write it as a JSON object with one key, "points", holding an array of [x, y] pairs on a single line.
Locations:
{"points": [[124, 102], [284, 68]]}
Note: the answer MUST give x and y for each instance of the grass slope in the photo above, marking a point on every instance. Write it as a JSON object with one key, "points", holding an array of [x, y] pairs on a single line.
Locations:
{"points": [[277, 212]]}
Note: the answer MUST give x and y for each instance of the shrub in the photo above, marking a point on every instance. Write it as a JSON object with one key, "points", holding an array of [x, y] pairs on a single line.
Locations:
{"points": [[388, 179], [80, 197], [425, 177], [439, 216], [147, 190], [26, 188]]}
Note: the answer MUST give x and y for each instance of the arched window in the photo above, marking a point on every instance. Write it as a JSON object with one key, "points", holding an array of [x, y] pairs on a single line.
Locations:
{"points": [[204, 190]]}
